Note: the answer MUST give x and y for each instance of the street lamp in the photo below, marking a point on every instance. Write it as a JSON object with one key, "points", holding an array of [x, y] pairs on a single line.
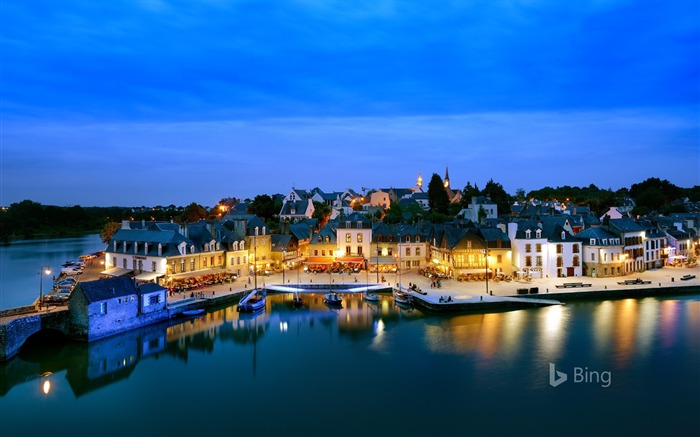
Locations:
{"points": [[486, 255], [44, 270], [284, 257]]}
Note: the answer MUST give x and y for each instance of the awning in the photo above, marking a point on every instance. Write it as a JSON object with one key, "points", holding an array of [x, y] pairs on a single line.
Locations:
{"points": [[350, 259], [294, 260], [148, 276], [197, 273], [319, 260], [472, 271], [382, 260], [116, 271]]}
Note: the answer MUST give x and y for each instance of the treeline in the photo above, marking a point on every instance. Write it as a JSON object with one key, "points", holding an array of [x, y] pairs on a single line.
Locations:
{"points": [[28, 219], [651, 195]]}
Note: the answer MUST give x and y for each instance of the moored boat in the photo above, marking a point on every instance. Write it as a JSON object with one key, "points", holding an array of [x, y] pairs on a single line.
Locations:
{"points": [[371, 297], [196, 312], [254, 301], [297, 302], [332, 298], [402, 298]]}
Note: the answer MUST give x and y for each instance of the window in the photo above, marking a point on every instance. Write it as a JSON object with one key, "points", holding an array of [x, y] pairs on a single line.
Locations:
{"points": [[417, 251], [192, 265], [576, 261], [528, 261], [328, 239], [182, 265], [359, 238], [417, 239], [469, 244], [499, 259], [153, 299], [528, 248], [538, 261], [114, 261], [408, 251], [319, 239], [379, 238], [103, 308], [560, 248], [245, 260], [575, 248], [538, 248], [359, 250], [560, 261], [315, 252], [124, 263], [348, 238], [528, 233], [204, 262], [538, 233], [243, 246], [348, 250], [153, 266], [592, 256], [323, 252]]}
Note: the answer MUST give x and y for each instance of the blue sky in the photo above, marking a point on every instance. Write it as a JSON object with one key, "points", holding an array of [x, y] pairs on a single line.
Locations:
{"points": [[160, 102]]}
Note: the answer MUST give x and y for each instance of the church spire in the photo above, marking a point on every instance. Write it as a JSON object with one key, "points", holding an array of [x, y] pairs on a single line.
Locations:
{"points": [[419, 182], [447, 178]]}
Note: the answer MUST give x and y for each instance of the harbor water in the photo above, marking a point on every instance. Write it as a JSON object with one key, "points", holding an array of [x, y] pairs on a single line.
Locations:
{"points": [[632, 368], [21, 262], [627, 367]]}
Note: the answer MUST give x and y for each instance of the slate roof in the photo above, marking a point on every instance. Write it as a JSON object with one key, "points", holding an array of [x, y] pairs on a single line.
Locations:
{"points": [[625, 225], [301, 230], [103, 289], [279, 242], [299, 206], [599, 235], [150, 287], [492, 235]]}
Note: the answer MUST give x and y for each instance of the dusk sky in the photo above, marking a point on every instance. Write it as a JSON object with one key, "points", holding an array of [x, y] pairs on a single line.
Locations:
{"points": [[135, 103]]}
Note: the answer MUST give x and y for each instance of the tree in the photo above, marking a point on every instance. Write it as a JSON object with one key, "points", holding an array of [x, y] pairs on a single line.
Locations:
{"points": [[321, 212], [263, 206], [520, 194], [192, 213], [109, 230], [438, 201], [394, 214], [498, 195], [468, 192]]}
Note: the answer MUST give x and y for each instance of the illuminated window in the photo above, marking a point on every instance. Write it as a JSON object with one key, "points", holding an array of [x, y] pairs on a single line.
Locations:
{"points": [[348, 238], [528, 261], [576, 261], [528, 248], [359, 238], [417, 251], [538, 248]]}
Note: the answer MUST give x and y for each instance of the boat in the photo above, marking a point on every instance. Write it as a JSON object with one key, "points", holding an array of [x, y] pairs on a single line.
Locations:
{"points": [[332, 298], [371, 297], [297, 302], [687, 277], [402, 298], [189, 313], [254, 301]]}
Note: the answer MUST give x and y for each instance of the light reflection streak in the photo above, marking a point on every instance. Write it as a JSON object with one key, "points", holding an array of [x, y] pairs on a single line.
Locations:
{"points": [[625, 328], [602, 327], [647, 325], [552, 332]]}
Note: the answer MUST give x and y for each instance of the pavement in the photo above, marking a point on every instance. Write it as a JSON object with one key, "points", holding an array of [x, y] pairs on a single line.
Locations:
{"points": [[458, 291]]}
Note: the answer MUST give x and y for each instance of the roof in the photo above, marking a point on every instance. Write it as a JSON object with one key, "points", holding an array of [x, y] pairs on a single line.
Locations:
{"points": [[600, 236], [103, 289], [625, 225], [150, 287]]}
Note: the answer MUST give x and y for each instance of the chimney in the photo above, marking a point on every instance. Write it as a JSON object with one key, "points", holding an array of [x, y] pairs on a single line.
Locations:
{"points": [[125, 224]]}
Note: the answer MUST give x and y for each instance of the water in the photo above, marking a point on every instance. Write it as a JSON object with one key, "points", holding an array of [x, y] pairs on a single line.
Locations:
{"points": [[371, 370], [21, 261]]}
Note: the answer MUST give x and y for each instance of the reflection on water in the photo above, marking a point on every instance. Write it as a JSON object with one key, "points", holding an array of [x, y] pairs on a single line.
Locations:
{"points": [[272, 351]]}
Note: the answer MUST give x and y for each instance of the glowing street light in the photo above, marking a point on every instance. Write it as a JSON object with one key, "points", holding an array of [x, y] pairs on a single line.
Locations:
{"points": [[44, 270], [486, 255]]}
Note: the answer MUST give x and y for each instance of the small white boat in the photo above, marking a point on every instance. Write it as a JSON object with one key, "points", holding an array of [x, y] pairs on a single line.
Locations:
{"points": [[332, 298], [252, 302], [371, 297], [402, 298], [189, 313]]}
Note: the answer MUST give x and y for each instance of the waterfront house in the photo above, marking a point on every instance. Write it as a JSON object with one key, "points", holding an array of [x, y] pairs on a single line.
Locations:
{"points": [[632, 237], [297, 205], [109, 306], [602, 253]]}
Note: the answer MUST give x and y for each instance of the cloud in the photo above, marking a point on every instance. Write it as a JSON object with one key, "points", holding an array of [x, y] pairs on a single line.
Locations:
{"points": [[209, 160]]}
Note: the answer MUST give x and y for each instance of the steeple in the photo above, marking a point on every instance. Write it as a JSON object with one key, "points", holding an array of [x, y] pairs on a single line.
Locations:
{"points": [[419, 183], [447, 178]]}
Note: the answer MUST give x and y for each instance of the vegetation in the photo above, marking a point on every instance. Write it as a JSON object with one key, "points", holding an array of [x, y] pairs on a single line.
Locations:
{"points": [[28, 219], [438, 202]]}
